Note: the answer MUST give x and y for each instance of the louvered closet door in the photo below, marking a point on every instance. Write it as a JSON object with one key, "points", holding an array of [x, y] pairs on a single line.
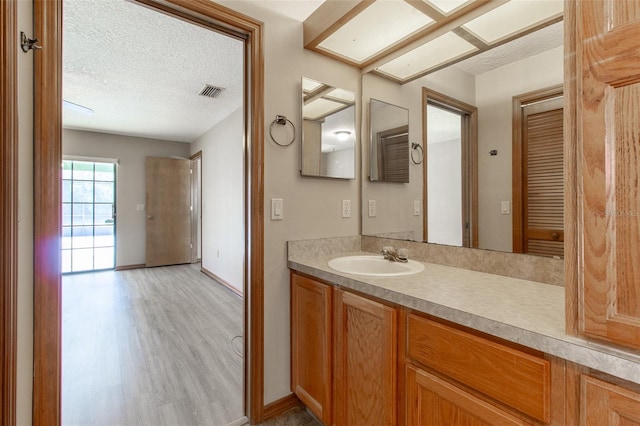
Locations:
{"points": [[543, 178]]}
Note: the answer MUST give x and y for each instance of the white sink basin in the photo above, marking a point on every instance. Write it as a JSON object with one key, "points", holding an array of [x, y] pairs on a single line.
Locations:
{"points": [[375, 266]]}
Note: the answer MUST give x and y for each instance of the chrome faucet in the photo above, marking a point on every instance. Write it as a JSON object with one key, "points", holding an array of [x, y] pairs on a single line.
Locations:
{"points": [[390, 253]]}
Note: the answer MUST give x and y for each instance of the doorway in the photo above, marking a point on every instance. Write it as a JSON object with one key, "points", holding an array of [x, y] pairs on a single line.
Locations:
{"points": [[450, 183], [88, 216], [48, 18]]}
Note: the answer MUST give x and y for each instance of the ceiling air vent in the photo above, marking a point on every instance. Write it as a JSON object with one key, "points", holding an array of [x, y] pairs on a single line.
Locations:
{"points": [[210, 91]]}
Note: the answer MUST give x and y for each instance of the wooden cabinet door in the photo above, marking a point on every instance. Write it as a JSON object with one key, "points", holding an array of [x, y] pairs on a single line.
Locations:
{"points": [[311, 344], [605, 404], [608, 177], [435, 402], [365, 362]]}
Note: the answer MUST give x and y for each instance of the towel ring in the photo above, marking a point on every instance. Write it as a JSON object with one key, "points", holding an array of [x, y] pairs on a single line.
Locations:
{"points": [[417, 148], [282, 120]]}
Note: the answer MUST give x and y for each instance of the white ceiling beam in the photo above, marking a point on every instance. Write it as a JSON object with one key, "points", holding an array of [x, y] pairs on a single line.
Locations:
{"points": [[329, 17]]}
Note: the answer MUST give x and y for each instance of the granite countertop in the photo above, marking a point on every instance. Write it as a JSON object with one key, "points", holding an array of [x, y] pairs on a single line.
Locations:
{"points": [[525, 312]]}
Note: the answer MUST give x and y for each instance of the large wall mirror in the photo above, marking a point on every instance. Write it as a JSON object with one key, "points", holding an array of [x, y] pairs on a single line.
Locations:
{"points": [[328, 131], [492, 82]]}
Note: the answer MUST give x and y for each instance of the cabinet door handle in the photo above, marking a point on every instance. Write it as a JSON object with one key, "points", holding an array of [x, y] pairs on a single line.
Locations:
{"points": [[555, 235]]}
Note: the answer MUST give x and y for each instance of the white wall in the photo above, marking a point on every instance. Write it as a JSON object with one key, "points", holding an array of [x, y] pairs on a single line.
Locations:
{"points": [[445, 192], [311, 205], [130, 152], [338, 163], [24, 375], [223, 198], [494, 94]]}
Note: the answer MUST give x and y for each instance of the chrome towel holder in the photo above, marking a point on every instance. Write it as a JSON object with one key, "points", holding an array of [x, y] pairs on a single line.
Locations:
{"points": [[282, 121], [416, 147]]}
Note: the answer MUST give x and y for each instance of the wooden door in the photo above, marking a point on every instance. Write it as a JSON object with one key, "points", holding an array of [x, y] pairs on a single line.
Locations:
{"points": [[168, 210], [365, 362], [542, 174], [608, 145], [311, 344], [605, 404], [433, 401]]}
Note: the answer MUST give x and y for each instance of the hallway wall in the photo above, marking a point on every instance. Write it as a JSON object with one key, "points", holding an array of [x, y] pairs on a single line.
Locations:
{"points": [[223, 198], [130, 152]]}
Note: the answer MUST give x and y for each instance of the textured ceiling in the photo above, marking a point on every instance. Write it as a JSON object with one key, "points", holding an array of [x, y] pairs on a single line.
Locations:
{"points": [[141, 71], [521, 48], [296, 9]]}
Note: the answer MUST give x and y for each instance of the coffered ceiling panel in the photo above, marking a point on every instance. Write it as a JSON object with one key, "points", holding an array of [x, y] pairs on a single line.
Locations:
{"points": [[513, 17], [438, 51], [320, 100], [371, 31], [407, 39]]}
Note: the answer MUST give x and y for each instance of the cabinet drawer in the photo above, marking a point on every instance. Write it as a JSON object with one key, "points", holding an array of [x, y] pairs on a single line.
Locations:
{"points": [[515, 378]]}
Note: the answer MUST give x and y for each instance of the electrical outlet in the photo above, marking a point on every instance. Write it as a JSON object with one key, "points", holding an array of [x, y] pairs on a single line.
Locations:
{"points": [[504, 207], [416, 207], [346, 208], [139, 207], [277, 209], [372, 208]]}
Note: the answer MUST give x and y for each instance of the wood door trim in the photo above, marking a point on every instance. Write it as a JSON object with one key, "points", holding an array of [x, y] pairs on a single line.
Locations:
{"points": [[517, 188], [196, 230], [9, 222], [48, 78], [471, 123], [47, 225], [570, 170]]}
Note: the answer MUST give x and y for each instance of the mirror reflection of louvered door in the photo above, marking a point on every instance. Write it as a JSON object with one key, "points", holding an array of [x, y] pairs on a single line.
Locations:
{"points": [[393, 155], [543, 187]]}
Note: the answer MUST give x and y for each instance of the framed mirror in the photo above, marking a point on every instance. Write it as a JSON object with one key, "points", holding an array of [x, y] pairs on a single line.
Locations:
{"points": [[492, 83], [389, 145], [328, 131]]}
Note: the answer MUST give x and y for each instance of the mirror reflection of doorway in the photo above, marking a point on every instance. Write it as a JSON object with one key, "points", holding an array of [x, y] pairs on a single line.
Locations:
{"points": [[451, 181], [444, 151]]}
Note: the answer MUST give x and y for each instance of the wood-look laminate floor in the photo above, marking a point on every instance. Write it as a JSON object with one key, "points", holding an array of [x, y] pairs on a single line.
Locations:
{"points": [[150, 347]]}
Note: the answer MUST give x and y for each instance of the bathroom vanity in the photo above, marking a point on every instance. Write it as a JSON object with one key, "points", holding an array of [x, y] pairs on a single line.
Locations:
{"points": [[447, 346]]}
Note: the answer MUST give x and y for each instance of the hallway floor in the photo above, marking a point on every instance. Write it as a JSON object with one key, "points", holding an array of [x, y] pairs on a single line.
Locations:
{"points": [[150, 346]]}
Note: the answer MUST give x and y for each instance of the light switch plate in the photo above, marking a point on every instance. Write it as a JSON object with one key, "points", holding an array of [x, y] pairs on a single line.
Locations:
{"points": [[504, 207], [416, 207], [277, 209], [139, 207]]}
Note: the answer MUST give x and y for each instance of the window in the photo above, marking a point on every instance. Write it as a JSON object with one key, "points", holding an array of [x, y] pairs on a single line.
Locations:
{"points": [[88, 216]]}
